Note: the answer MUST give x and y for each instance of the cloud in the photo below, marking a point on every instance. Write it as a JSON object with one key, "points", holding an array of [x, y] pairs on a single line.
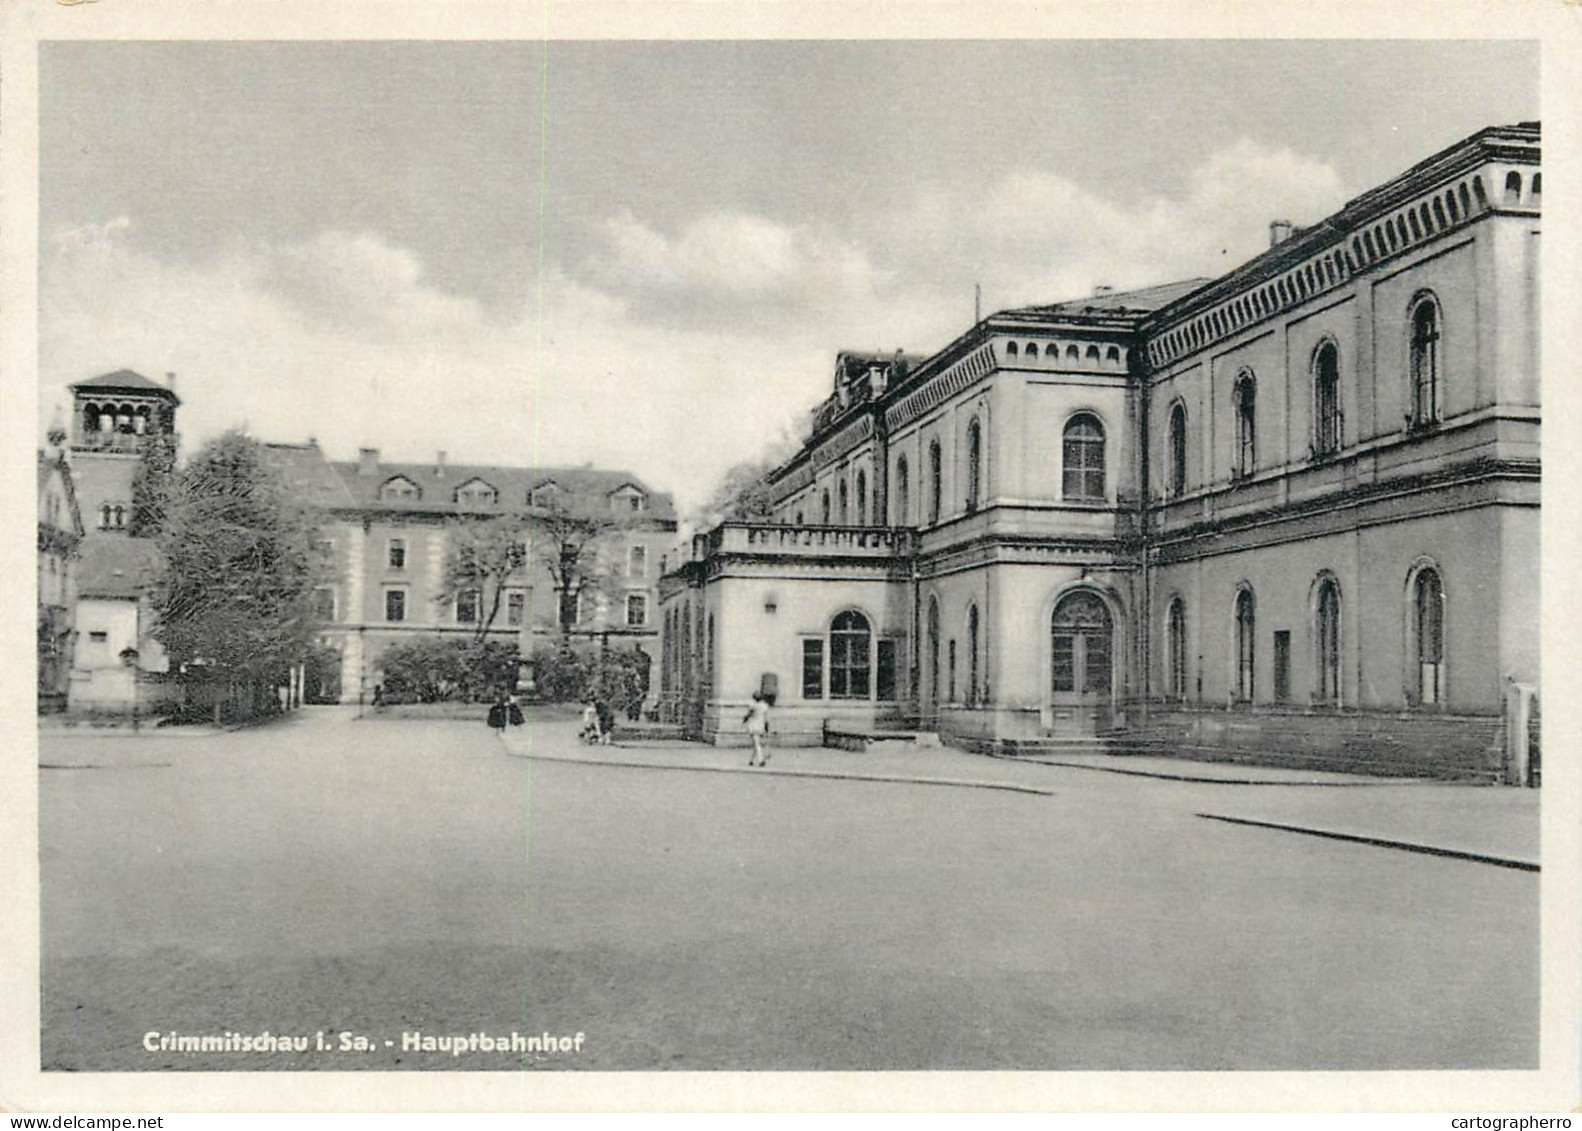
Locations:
{"points": [[672, 353]]}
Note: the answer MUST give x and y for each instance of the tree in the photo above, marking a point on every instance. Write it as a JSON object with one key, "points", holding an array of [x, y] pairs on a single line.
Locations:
{"points": [[484, 554], [569, 538], [743, 493], [151, 484], [234, 591]]}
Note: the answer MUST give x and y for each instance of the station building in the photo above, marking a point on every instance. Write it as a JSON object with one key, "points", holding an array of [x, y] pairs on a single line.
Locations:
{"points": [[1290, 513]]}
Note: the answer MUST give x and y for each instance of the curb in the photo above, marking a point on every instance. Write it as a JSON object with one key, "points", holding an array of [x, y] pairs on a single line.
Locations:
{"points": [[964, 783], [1382, 842], [1162, 775]]}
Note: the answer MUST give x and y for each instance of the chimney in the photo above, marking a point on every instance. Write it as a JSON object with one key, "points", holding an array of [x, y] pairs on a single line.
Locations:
{"points": [[439, 465], [170, 381], [367, 461], [1280, 231], [1103, 289]]}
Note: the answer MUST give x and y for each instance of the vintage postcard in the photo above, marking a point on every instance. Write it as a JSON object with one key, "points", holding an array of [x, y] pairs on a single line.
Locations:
{"points": [[925, 556]]}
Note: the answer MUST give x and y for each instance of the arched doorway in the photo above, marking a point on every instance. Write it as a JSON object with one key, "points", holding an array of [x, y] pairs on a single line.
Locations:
{"points": [[1081, 664]]}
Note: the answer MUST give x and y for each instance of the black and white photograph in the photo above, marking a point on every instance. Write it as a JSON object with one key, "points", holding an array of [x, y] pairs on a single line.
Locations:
{"points": [[692, 551]]}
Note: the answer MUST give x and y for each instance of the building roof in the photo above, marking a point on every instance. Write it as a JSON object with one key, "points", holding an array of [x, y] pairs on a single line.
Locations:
{"points": [[1144, 300], [309, 475], [345, 483], [115, 565], [125, 381]]}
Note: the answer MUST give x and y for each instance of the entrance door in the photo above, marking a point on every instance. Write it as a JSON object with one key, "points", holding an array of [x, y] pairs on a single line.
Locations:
{"points": [[1081, 665]]}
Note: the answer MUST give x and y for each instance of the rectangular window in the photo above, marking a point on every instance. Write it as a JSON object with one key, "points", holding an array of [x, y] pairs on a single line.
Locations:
{"points": [[812, 669], [951, 668], [395, 604], [886, 675], [467, 606], [1064, 668], [99, 637], [569, 606], [637, 561], [515, 607], [324, 549], [1282, 666], [396, 554], [636, 609], [324, 604]]}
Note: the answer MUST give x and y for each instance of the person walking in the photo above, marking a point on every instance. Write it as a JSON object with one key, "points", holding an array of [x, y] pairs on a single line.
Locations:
{"points": [[757, 721], [498, 715]]}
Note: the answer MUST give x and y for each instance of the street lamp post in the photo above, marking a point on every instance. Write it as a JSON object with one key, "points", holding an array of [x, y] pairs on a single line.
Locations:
{"points": [[129, 659]]}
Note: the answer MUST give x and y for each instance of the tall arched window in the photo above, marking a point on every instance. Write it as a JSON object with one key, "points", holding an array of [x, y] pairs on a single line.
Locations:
{"points": [[1327, 637], [933, 654], [862, 498], [1246, 644], [972, 655], [850, 657], [936, 481], [844, 512], [1245, 398], [974, 463], [1082, 452], [1178, 449], [824, 502], [1177, 655], [1326, 399], [902, 489], [1425, 362], [1428, 629]]}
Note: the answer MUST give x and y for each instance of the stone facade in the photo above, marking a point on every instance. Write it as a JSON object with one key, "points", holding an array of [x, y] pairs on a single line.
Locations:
{"points": [[1292, 509]]}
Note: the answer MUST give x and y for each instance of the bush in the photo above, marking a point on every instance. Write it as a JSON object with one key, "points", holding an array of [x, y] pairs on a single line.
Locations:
{"points": [[619, 677], [439, 669]]}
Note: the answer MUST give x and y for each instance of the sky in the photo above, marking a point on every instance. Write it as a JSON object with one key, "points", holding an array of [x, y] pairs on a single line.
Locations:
{"points": [[646, 255]]}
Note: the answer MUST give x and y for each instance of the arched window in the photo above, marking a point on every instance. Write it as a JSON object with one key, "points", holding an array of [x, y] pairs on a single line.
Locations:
{"points": [[1011, 349], [1082, 452], [1425, 362], [902, 488], [850, 657], [824, 502], [105, 514], [799, 518], [1513, 187], [843, 503], [862, 498], [1177, 654], [1246, 638], [1428, 631], [974, 463], [972, 655], [936, 481], [933, 654], [1326, 400], [1178, 449], [1327, 637], [1245, 398]]}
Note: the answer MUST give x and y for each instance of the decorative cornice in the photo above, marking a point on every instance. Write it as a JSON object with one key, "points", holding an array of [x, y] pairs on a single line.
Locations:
{"points": [[972, 368]]}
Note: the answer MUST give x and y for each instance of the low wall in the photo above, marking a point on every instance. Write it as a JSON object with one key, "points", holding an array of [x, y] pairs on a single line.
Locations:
{"points": [[1392, 744]]}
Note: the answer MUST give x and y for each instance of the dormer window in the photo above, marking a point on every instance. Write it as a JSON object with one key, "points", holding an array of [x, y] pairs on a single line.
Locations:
{"points": [[627, 499], [476, 495], [544, 495], [399, 490]]}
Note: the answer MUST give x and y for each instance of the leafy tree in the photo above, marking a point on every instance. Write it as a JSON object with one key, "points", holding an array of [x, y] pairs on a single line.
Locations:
{"points": [[151, 484], [743, 492], [569, 539], [235, 586], [484, 554]]}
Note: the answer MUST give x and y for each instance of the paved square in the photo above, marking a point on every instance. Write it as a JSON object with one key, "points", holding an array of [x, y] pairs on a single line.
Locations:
{"points": [[380, 877]]}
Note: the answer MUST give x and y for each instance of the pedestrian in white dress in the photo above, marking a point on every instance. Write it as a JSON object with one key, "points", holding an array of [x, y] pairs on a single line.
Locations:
{"points": [[757, 720]]}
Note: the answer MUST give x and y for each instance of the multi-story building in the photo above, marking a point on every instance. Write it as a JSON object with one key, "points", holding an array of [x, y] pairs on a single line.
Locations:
{"points": [[1291, 511], [388, 530]]}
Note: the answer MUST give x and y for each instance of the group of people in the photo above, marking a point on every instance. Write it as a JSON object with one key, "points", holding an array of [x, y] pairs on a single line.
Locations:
{"points": [[506, 711], [598, 722]]}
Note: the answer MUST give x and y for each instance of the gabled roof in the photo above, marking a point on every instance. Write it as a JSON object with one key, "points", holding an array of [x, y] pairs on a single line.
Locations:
{"points": [[125, 381], [115, 565], [48, 466]]}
